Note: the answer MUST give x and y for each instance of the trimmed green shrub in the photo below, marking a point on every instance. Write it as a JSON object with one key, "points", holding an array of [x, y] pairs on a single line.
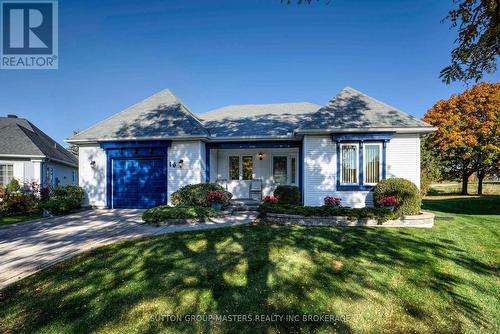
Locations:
{"points": [[60, 206], [405, 191], [381, 214], [287, 194], [164, 212], [63, 200], [197, 195]]}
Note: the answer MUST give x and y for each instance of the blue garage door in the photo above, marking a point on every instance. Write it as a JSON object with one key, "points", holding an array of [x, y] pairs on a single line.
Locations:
{"points": [[139, 183]]}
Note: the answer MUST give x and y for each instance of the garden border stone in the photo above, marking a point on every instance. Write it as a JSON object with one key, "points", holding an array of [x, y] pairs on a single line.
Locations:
{"points": [[424, 219]]}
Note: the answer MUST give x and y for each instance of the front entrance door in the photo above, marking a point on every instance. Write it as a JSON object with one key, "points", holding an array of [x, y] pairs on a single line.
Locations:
{"points": [[240, 175]]}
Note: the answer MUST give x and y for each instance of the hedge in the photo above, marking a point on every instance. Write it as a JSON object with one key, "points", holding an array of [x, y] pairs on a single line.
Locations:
{"points": [[287, 194], [63, 199], [405, 191], [164, 212], [196, 195], [381, 214]]}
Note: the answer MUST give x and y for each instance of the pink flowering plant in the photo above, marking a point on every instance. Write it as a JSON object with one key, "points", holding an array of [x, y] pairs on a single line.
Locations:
{"points": [[388, 201], [216, 197], [332, 201], [271, 199]]}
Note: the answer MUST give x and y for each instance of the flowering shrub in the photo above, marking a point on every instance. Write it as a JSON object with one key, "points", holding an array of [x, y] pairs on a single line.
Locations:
{"points": [[271, 199], [15, 200], [388, 201], [332, 201], [197, 194], [216, 197]]}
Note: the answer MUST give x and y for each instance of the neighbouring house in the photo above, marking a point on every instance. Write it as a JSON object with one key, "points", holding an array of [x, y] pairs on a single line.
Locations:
{"points": [[29, 155], [140, 156]]}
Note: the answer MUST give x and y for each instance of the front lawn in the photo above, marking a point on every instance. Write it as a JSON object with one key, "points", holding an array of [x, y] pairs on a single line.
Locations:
{"points": [[396, 280], [7, 220]]}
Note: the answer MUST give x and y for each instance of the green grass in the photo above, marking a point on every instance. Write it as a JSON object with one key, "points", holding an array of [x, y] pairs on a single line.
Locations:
{"points": [[439, 280], [7, 220], [489, 188]]}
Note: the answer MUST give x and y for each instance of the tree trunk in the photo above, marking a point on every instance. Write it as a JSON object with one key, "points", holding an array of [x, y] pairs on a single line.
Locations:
{"points": [[480, 177], [465, 183]]}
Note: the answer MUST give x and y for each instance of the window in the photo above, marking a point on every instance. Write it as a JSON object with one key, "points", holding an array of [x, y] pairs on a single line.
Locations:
{"points": [[247, 167], [280, 169], [50, 176], [6, 174], [293, 170], [349, 164], [234, 168], [73, 176], [372, 163]]}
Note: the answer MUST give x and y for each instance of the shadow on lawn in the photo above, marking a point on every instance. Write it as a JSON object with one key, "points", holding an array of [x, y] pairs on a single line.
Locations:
{"points": [[484, 205], [244, 270]]}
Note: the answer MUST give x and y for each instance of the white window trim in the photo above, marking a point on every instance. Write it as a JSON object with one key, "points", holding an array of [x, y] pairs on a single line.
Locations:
{"points": [[240, 162], [379, 163], [6, 165], [357, 164]]}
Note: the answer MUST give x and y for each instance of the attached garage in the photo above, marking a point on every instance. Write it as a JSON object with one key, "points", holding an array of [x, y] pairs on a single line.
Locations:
{"points": [[138, 183], [138, 173]]}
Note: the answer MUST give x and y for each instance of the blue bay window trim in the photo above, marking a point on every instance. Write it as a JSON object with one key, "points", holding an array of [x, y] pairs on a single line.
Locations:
{"points": [[361, 139], [132, 149], [260, 144]]}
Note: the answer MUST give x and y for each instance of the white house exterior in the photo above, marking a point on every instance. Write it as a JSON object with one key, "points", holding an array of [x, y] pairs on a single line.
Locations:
{"points": [[139, 157], [29, 155]]}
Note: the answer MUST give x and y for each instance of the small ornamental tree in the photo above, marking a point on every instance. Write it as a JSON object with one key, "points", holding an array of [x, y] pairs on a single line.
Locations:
{"points": [[467, 139]]}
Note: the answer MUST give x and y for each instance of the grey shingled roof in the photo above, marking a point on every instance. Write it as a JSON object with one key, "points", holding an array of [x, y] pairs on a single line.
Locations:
{"points": [[352, 109], [256, 120], [162, 115], [21, 137]]}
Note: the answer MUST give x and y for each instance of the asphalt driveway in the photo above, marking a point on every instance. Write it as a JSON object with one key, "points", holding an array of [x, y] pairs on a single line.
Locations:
{"points": [[28, 247]]}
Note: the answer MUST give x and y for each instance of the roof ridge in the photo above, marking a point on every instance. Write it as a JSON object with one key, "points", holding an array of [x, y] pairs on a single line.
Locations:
{"points": [[371, 97], [166, 90], [24, 131]]}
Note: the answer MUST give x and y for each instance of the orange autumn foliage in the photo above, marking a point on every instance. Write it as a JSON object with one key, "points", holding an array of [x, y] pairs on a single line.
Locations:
{"points": [[467, 138]]}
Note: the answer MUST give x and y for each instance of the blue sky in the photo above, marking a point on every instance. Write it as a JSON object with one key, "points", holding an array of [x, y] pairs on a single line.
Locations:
{"points": [[213, 53]]}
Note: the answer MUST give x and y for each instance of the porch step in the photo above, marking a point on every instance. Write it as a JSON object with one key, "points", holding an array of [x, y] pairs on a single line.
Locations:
{"points": [[243, 205]]}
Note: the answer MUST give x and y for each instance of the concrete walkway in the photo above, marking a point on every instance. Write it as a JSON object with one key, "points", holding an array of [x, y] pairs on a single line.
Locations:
{"points": [[26, 248]]}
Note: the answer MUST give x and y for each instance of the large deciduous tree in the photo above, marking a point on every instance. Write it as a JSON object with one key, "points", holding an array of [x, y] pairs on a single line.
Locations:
{"points": [[467, 139], [478, 41]]}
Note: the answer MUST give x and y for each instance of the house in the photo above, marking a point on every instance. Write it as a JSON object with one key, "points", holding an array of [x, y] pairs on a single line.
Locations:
{"points": [[140, 156], [28, 154]]}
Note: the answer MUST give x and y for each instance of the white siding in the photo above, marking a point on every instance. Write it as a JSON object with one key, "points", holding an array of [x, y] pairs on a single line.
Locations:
{"points": [[93, 180], [319, 168], [320, 175], [193, 169], [403, 157]]}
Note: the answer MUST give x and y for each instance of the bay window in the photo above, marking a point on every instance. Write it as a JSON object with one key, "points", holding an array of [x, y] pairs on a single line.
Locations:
{"points": [[349, 163], [372, 163]]}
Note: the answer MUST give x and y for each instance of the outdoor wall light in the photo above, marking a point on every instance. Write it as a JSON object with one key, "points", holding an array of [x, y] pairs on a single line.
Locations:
{"points": [[92, 164], [180, 163], [261, 156]]}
